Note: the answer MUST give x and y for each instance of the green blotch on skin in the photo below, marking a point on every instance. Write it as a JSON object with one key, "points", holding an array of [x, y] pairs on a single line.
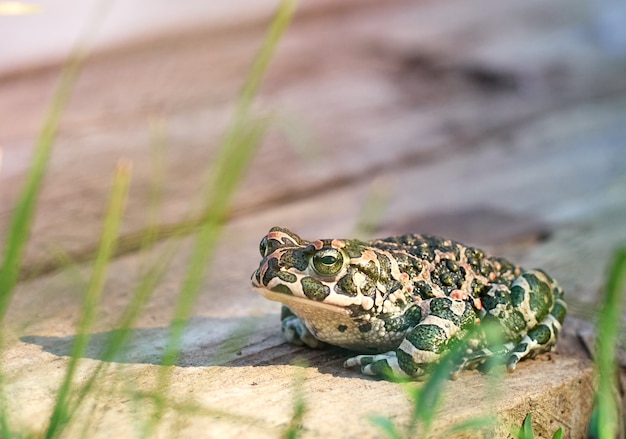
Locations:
{"points": [[370, 270], [440, 307], [287, 277], [314, 289], [413, 315], [381, 368], [521, 348], [283, 289], [285, 312], [299, 258], [406, 363], [494, 298], [559, 312], [469, 316], [409, 319], [541, 334], [423, 290], [452, 266], [515, 322], [354, 248], [539, 295], [395, 324], [517, 295], [346, 285], [427, 338], [446, 279]]}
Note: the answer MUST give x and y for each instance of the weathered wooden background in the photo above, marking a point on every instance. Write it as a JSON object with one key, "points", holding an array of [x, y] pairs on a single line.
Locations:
{"points": [[498, 123]]}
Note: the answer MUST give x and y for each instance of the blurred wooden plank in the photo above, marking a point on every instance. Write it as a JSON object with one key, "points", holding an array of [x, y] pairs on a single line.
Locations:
{"points": [[374, 96]]}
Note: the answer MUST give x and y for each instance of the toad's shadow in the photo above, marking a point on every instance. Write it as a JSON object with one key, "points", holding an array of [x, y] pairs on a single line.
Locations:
{"points": [[206, 341]]}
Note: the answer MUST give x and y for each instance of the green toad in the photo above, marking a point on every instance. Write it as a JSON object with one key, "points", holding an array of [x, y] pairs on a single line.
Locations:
{"points": [[402, 301]]}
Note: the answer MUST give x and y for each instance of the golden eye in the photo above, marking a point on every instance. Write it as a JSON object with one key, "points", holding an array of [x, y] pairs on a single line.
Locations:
{"points": [[327, 262]]}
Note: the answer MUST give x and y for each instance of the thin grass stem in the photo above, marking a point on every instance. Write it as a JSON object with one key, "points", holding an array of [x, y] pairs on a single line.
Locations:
{"points": [[238, 148], [119, 194], [606, 348]]}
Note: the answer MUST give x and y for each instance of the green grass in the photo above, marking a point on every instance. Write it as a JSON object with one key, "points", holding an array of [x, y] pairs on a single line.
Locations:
{"points": [[234, 156], [605, 421], [526, 430], [426, 397], [18, 232], [62, 412]]}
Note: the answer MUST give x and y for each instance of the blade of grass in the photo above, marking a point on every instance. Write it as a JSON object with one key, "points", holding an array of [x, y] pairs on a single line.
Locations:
{"points": [[19, 228], [606, 347], [119, 193], [22, 217], [426, 398], [141, 294], [387, 426], [294, 428], [236, 161], [5, 428], [201, 257], [238, 147], [235, 155], [125, 324], [558, 434], [147, 285], [20, 224], [429, 395], [526, 430], [155, 197]]}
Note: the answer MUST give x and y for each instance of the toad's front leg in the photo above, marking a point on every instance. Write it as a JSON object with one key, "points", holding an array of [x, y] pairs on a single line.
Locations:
{"points": [[296, 332]]}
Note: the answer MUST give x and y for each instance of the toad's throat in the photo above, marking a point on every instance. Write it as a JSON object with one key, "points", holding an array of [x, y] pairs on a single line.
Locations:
{"points": [[297, 302]]}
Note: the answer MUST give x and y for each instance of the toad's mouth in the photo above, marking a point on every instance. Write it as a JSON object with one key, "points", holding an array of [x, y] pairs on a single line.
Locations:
{"points": [[294, 301]]}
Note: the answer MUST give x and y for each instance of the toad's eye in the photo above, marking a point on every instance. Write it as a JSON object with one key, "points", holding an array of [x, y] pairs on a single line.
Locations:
{"points": [[327, 262]]}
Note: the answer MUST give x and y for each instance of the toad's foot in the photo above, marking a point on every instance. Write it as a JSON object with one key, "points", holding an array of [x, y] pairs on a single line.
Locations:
{"points": [[297, 333], [381, 365]]}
